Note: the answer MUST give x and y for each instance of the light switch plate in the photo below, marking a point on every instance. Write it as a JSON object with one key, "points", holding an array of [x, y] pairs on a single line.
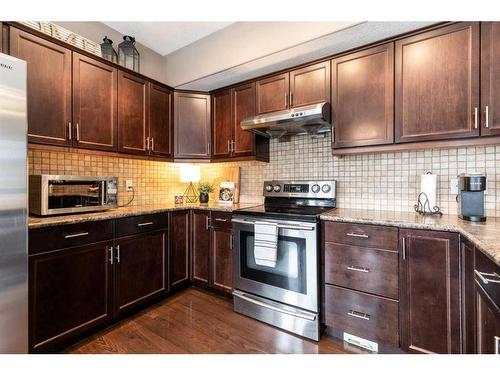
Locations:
{"points": [[454, 186], [129, 185]]}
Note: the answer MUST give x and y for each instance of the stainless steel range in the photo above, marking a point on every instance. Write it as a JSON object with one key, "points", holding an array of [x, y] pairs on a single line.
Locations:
{"points": [[276, 255]]}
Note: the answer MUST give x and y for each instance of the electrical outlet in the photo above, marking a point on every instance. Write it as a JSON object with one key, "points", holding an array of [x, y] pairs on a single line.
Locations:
{"points": [[129, 185], [454, 186]]}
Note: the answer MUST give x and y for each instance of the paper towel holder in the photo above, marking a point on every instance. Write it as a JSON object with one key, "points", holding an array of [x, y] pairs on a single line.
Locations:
{"points": [[423, 206]]}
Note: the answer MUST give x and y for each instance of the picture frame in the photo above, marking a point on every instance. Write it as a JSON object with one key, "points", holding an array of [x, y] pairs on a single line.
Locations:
{"points": [[226, 192]]}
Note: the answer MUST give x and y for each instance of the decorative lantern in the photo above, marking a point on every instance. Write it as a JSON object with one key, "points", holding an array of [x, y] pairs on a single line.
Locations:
{"points": [[108, 51], [128, 56]]}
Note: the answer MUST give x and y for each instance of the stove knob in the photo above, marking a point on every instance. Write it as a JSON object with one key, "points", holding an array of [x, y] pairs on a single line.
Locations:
{"points": [[315, 188], [269, 188], [277, 188], [326, 188]]}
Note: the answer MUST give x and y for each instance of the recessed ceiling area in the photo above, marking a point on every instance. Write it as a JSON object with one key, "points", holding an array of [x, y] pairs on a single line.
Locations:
{"points": [[167, 37]]}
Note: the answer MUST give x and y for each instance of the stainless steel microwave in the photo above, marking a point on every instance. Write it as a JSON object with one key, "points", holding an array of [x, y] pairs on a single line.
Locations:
{"points": [[56, 194]]}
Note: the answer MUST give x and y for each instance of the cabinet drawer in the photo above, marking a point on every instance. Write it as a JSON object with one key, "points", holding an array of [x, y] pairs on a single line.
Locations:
{"points": [[62, 236], [221, 219], [487, 274], [365, 269], [140, 224], [363, 315], [377, 236]]}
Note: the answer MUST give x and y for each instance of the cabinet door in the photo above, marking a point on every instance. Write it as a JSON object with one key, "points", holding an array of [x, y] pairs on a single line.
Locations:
{"points": [[69, 293], [222, 259], [160, 121], [221, 111], [467, 285], [133, 111], [49, 87], [191, 125], [430, 292], [94, 104], [179, 248], [201, 247], [272, 93], [243, 107], [437, 84], [487, 323], [490, 78], [140, 266], [310, 85], [363, 97]]}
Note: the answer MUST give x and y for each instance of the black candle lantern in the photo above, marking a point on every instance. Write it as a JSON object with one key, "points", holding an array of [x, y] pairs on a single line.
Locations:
{"points": [[108, 51], [128, 56]]}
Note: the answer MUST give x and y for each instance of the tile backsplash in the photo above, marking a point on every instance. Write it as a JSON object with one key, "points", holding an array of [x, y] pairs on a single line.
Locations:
{"points": [[385, 181]]}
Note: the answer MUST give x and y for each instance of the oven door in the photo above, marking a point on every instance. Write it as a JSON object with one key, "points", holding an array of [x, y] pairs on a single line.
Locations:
{"points": [[294, 279]]}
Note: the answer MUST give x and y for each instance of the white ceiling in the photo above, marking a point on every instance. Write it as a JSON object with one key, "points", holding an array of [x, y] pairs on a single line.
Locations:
{"points": [[166, 37]]}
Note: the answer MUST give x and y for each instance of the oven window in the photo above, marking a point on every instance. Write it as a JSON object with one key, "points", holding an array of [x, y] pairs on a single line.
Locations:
{"points": [[290, 270], [68, 194]]}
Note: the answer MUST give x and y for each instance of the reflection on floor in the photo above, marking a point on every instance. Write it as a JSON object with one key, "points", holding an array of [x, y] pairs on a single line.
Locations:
{"points": [[196, 321]]}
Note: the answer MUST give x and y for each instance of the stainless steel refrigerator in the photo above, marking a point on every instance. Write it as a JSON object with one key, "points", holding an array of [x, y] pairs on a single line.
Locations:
{"points": [[13, 207]]}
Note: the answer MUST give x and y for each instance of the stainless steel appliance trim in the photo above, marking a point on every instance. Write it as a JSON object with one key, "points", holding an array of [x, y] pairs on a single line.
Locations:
{"points": [[268, 305], [358, 269], [359, 315], [82, 234], [145, 224], [298, 226], [320, 194], [486, 280], [357, 235]]}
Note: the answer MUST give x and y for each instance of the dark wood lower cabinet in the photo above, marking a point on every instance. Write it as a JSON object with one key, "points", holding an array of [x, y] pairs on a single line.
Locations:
{"points": [[430, 292], [179, 248], [140, 269], [200, 250], [69, 293], [467, 285], [222, 259], [487, 323]]}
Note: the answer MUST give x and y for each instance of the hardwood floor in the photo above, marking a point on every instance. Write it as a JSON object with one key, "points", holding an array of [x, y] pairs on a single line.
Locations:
{"points": [[196, 321]]}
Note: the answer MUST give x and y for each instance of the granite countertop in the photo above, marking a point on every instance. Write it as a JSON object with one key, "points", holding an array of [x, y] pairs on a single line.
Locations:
{"points": [[47, 221], [484, 235]]}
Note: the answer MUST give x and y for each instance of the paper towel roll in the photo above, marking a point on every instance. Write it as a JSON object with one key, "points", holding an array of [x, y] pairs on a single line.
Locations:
{"points": [[428, 185]]}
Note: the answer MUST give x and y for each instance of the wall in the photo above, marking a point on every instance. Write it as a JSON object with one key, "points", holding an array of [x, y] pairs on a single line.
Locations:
{"points": [[152, 64]]}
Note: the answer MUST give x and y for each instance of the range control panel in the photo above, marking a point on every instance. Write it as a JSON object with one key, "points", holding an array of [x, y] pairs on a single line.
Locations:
{"points": [[300, 189]]}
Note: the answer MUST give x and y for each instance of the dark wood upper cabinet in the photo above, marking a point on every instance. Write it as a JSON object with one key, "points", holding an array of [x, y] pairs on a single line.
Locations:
{"points": [[490, 78], [222, 123], [70, 292], [272, 93], [200, 252], [192, 126], [140, 266], [437, 84], [363, 97], [430, 292], [160, 121], [179, 248], [94, 104], [243, 105], [49, 87], [222, 259], [310, 85], [133, 113]]}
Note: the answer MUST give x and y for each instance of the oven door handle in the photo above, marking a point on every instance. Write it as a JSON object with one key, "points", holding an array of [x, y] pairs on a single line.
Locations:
{"points": [[281, 226], [298, 314]]}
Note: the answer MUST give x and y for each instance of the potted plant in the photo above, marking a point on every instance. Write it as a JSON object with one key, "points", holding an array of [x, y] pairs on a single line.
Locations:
{"points": [[204, 188]]}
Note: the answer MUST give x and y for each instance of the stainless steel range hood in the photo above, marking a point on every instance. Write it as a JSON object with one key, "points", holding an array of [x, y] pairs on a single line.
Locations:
{"points": [[311, 119]]}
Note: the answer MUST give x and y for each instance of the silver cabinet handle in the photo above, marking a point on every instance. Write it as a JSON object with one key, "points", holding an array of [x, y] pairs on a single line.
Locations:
{"points": [[110, 250], [152, 143], [357, 235], [77, 132], [487, 115], [497, 344], [404, 248], [232, 146], [145, 224], [228, 146], [231, 242], [70, 131], [223, 220], [286, 99], [118, 253], [358, 269], [147, 143], [209, 149], [76, 235], [207, 222], [487, 280], [475, 117], [291, 99], [358, 315]]}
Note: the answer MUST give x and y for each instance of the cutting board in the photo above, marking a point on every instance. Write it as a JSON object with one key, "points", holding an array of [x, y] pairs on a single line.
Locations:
{"points": [[228, 174]]}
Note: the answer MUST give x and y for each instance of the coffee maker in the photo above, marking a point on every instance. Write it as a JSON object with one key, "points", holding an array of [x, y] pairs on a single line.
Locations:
{"points": [[471, 190]]}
